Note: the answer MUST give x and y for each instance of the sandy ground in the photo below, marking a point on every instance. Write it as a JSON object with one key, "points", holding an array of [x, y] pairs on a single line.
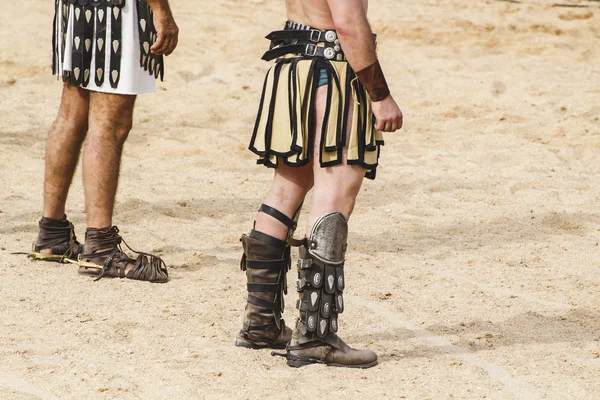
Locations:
{"points": [[474, 257]]}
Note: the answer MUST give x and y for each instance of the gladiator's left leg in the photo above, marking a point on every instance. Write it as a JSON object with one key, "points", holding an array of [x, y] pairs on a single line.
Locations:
{"points": [[266, 259]]}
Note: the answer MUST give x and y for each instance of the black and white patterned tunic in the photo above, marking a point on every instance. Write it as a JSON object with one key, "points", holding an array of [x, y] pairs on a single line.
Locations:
{"points": [[104, 45]]}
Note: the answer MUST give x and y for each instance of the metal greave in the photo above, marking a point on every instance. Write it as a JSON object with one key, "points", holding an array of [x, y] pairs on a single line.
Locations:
{"points": [[321, 282]]}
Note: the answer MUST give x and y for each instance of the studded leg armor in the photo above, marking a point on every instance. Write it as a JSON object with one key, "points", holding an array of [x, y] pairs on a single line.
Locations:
{"points": [[321, 277], [321, 286]]}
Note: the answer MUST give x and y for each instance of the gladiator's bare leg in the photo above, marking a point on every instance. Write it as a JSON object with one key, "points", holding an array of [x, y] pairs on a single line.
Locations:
{"points": [[62, 149], [335, 188], [110, 121], [288, 189]]}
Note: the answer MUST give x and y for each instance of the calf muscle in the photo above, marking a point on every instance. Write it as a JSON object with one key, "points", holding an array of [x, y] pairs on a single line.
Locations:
{"points": [[111, 119]]}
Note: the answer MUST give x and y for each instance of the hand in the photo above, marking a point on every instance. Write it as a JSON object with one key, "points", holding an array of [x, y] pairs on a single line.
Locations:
{"points": [[167, 34], [388, 117]]}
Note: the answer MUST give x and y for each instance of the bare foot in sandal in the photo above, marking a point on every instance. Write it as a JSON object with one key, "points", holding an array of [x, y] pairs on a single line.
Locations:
{"points": [[56, 241], [104, 257]]}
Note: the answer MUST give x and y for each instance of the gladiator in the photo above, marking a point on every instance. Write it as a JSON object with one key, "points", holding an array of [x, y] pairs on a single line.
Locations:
{"points": [[324, 105], [106, 52]]}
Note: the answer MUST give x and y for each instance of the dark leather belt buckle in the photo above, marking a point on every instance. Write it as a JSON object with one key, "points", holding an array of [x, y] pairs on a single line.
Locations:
{"points": [[311, 50], [315, 35]]}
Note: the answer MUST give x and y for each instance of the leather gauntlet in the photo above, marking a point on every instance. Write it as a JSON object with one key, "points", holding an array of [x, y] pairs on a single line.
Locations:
{"points": [[373, 80]]}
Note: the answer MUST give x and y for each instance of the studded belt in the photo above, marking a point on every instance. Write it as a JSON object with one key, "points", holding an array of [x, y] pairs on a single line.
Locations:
{"points": [[306, 41]]}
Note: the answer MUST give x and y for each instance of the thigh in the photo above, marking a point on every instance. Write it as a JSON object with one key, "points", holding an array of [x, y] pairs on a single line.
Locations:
{"points": [[342, 179], [74, 105], [112, 110], [301, 177]]}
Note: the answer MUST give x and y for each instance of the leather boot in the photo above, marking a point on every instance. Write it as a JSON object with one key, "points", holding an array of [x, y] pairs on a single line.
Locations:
{"points": [[334, 352], [266, 261]]}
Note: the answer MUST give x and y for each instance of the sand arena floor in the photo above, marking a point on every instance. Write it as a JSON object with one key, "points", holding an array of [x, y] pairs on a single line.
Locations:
{"points": [[474, 258]]}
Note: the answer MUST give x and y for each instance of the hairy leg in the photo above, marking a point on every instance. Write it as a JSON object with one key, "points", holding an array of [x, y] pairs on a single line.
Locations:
{"points": [[62, 149], [335, 188], [110, 121], [287, 192]]}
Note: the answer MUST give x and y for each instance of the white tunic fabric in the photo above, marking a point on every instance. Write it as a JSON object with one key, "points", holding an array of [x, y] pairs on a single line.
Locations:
{"points": [[134, 80]]}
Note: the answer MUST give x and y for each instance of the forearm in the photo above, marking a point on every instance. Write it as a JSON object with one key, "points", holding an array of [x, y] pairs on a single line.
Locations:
{"points": [[160, 7]]}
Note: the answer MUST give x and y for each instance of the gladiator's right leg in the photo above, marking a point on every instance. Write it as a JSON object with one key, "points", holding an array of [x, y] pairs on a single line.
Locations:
{"points": [[321, 279], [266, 259], [56, 239], [336, 187]]}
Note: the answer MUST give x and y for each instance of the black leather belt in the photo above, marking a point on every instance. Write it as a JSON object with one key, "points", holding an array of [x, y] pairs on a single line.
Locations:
{"points": [[306, 42]]}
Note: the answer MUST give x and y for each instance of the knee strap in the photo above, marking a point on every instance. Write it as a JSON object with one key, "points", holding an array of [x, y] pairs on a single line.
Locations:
{"points": [[278, 215], [290, 223]]}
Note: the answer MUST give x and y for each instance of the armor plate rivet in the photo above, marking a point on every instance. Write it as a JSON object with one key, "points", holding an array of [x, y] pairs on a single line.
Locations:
{"points": [[317, 279]]}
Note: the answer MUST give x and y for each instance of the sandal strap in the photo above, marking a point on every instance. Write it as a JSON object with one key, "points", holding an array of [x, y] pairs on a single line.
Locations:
{"points": [[58, 235], [148, 267], [101, 238], [106, 243]]}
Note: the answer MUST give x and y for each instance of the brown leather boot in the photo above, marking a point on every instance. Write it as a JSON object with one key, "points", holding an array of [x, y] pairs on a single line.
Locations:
{"points": [[320, 287], [266, 261], [333, 351]]}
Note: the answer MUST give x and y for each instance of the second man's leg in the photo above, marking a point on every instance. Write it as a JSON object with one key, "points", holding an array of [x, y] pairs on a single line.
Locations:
{"points": [[111, 118], [56, 239], [62, 149]]}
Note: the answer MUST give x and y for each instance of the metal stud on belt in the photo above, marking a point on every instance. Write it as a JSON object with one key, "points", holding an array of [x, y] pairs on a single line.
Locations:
{"points": [[330, 36]]}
